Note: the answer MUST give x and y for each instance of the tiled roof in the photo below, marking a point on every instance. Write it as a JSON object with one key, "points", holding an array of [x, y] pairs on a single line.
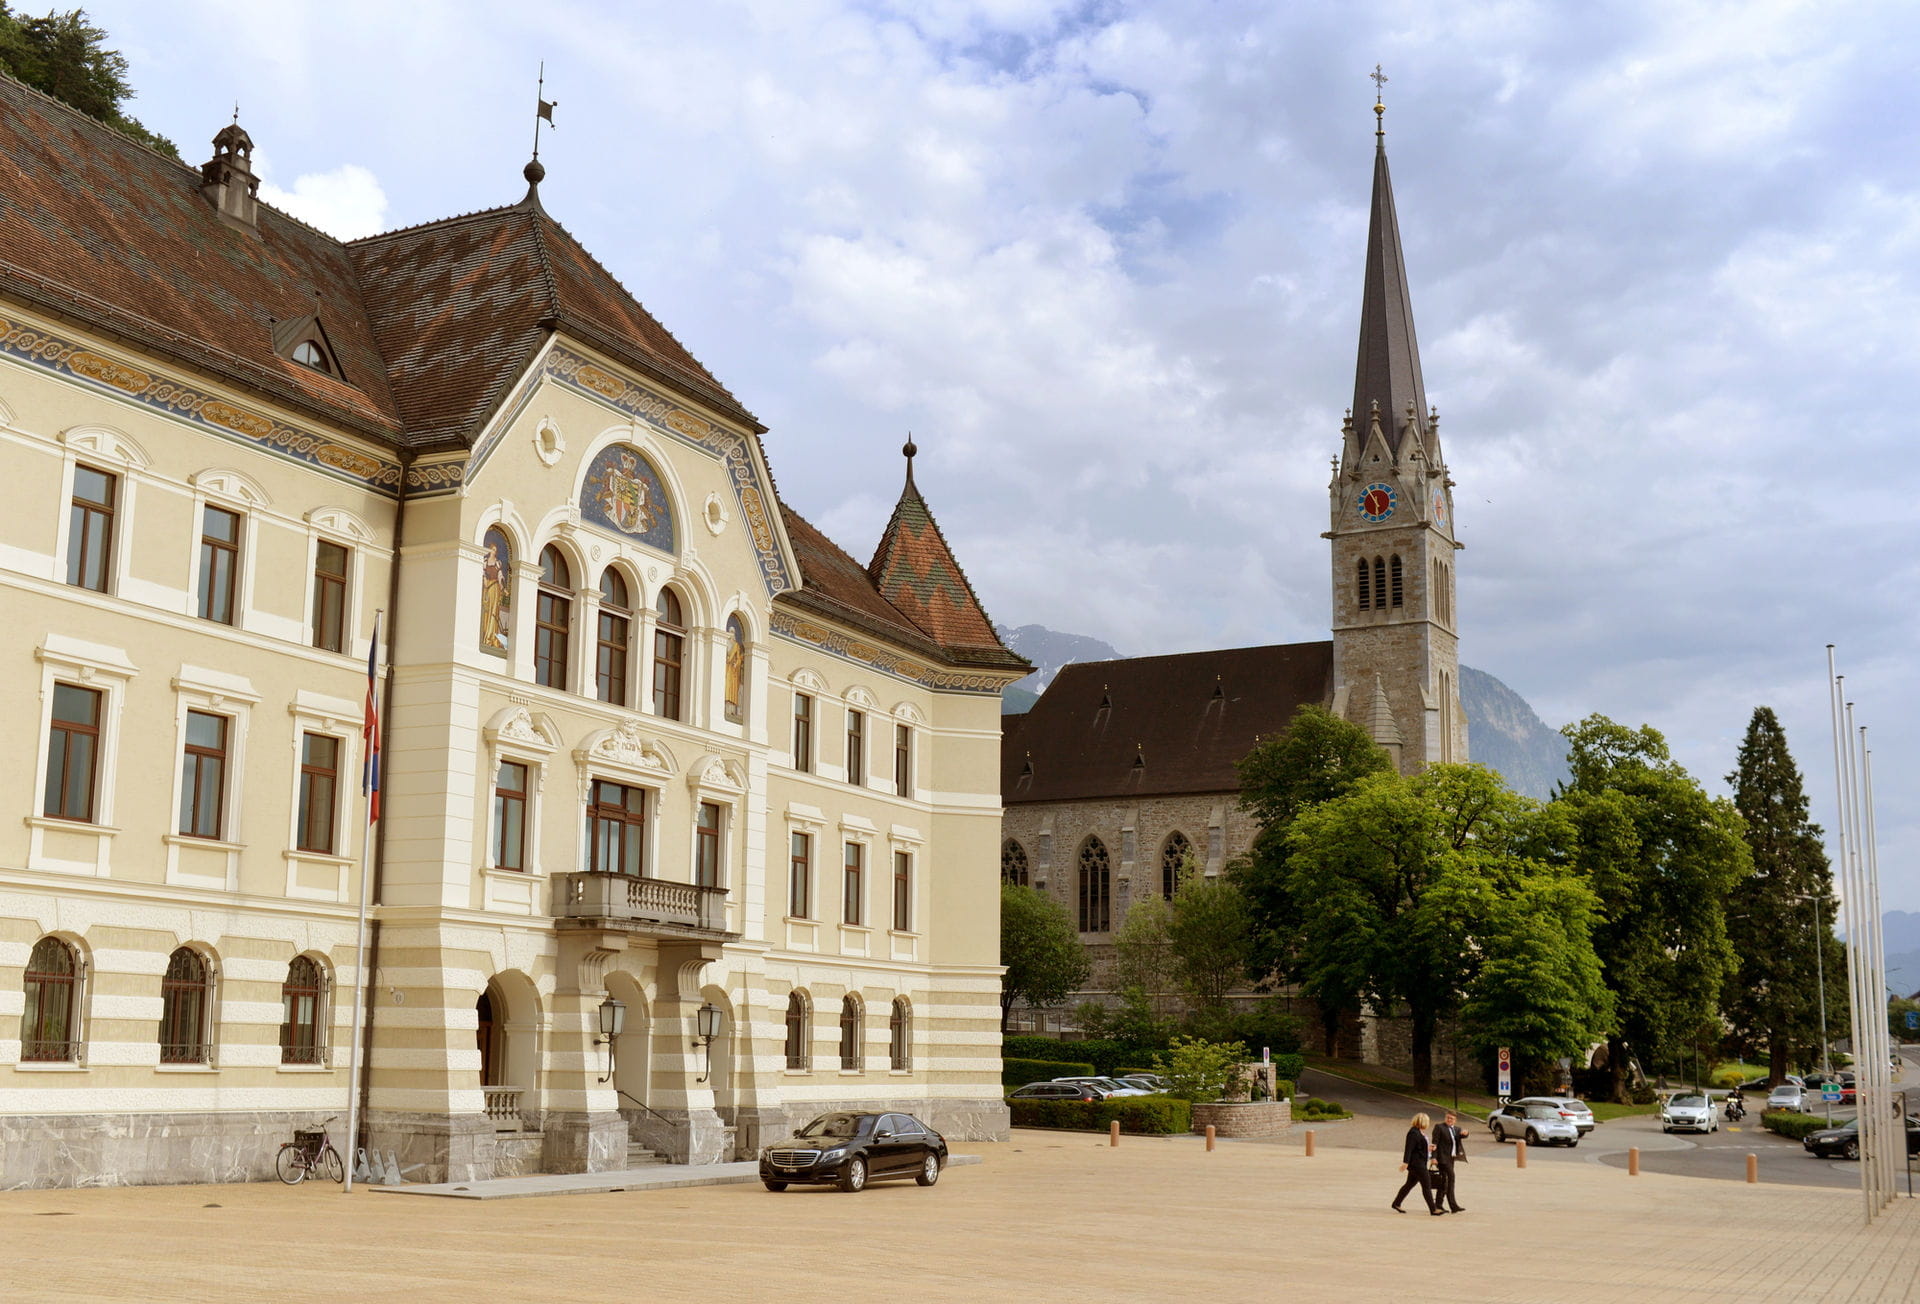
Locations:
{"points": [[1149, 726], [914, 570], [99, 229]]}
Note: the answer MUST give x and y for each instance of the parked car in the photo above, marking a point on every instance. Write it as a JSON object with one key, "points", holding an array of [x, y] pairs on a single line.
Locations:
{"points": [[1056, 1091], [1533, 1123], [1766, 1083], [1110, 1086], [1690, 1111], [850, 1150], [1151, 1081], [1787, 1095], [1574, 1110], [1843, 1141]]}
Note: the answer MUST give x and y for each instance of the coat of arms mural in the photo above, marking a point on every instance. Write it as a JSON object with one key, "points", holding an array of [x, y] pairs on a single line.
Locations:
{"points": [[622, 493]]}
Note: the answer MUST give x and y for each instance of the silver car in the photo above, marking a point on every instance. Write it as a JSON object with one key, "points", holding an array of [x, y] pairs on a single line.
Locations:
{"points": [[1787, 1095], [1691, 1112], [1573, 1110], [1532, 1122], [1108, 1086]]}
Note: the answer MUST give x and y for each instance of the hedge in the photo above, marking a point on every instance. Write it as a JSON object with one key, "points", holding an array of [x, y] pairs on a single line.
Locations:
{"points": [[1792, 1126], [1140, 1115], [1106, 1056], [1019, 1072], [1290, 1066]]}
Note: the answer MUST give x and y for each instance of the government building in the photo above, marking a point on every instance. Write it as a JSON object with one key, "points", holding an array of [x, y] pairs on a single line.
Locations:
{"points": [[688, 820]]}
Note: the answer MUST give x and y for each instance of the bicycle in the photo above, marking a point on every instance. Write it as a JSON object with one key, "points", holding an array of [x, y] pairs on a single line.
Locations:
{"points": [[310, 1153]]}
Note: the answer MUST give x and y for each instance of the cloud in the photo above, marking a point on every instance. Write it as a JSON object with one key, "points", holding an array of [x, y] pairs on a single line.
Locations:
{"points": [[346, 203]]}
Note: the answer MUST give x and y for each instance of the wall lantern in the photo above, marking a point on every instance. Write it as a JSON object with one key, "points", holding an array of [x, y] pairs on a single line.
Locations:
{"points": [[613, 1022], [706, 1022]]}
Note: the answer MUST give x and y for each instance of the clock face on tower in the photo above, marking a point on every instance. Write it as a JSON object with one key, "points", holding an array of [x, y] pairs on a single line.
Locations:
{"points": [[1377, 501], [1440, 508]]}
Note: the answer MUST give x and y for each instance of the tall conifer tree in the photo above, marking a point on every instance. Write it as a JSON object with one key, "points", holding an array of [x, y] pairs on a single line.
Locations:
{"points": [[1775, 995]]}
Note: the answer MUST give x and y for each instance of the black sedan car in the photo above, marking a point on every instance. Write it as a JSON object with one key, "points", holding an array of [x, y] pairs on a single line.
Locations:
{"points": [[850, 1150], [1844, 1141]]}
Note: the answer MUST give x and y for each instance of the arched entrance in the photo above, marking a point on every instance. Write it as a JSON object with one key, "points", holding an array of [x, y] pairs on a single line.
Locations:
{"points": [[507, 1035]]}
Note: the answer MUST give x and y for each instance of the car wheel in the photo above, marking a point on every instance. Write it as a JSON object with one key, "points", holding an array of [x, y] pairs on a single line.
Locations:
{"points": [[1851, 1150], [1533, 1137], [776, 1186], [854, 1176], [929, 1170], [1572, 1144]]}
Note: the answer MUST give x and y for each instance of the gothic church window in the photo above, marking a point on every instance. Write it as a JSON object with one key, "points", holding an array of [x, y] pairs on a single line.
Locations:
{"points": [[1379, 583], [1173, 861], [1095, 888], [1397, 586], [1013, 865], [1363, 585]]}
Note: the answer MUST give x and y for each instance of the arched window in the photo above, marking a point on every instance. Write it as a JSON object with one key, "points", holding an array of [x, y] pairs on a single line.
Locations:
{"points": [[1395, 583], [1379, 583], [183, 1009], [669, 652], [614, 635], [552, 619], [852, 1058], [1362, 585], [797, 1031], [49, 1028], [736, 670], [1013, 864], [1173, 862], [496, 593], [1095, 888], [300, 1007], [900, 1034], [308, 354]]}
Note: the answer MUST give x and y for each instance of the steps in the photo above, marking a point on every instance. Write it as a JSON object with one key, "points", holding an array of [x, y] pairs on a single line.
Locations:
{"points": [[638, 1156]]}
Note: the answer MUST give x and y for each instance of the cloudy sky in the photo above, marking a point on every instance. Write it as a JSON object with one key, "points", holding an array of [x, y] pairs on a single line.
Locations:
{"points": [[1104, 260]]}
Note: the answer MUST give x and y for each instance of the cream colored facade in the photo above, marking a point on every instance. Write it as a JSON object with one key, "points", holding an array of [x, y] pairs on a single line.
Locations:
{"points": [[540, 947]]}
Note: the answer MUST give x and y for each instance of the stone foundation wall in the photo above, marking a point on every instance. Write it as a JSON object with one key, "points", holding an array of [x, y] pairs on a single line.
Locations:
{"points": [[1255, 1118], [70, 1150]]}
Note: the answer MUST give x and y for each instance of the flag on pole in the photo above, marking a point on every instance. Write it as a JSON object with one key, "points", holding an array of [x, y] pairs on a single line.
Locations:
{"points": [[370, 731], [546, 110]]}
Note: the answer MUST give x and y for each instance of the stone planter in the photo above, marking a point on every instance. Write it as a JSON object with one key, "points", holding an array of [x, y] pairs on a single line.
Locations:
{"points": [[1252, 1118]]}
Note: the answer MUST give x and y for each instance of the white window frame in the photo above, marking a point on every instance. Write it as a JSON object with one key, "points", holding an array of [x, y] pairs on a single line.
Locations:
{"points": [[106, 450], [108, 671], [231, 492], [214, 692], [517, 735]]}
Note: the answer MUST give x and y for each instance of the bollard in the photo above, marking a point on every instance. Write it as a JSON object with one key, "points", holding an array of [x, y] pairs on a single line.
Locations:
{"points": [[1753, 1170], [1519, 1154], [1633, 1161], [1209, 1138], [1113, 1133], [1309, 1143]]}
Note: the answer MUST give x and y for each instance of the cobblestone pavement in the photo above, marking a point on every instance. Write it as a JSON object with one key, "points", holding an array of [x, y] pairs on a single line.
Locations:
{"points": [[1048, 1216]]}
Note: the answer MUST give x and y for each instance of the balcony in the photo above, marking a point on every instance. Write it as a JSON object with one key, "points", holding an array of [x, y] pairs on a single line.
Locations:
{"points": [[651, 906]]}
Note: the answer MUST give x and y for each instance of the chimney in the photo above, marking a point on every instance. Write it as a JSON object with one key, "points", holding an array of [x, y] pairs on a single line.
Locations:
{"points": [[227, 178]]}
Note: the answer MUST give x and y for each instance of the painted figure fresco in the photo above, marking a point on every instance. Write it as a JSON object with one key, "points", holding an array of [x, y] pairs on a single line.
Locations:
{"points": [[496, 594], [736, 670], [622, 492]]}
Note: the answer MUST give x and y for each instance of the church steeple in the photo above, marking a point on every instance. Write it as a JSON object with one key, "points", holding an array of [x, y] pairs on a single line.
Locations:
{"points": [[1386, 378]]}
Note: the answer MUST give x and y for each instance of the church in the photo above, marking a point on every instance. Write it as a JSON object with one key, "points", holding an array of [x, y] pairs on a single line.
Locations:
{"points": [[686, 818], [1123, 771]]}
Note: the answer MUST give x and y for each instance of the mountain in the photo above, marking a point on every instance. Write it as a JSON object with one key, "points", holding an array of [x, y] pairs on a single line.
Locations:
{"points": [[1503, 733]]}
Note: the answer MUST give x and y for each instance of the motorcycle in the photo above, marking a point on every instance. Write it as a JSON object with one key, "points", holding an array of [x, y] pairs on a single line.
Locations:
{"points": [[1736, 1108]]}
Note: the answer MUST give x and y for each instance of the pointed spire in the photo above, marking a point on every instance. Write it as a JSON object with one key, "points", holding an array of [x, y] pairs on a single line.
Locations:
{"points": [[1387, 373], [915, 571], [1380, 724]]}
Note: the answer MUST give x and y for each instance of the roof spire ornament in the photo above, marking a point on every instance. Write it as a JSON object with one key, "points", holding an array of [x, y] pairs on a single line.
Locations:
{"points": [[1379, 107], [535, 171], [910, 450]]}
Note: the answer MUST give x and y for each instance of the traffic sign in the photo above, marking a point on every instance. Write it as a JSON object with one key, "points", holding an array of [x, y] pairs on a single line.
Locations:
{"points": [[1506, 1073], [1913, 1019], [1830, 1093]]}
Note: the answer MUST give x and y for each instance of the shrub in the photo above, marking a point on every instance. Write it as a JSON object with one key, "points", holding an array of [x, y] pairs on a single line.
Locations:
{"points": [[1019, 1072], [1792, 1126], [1105, 1056], [1290, 1065], [1314, 1108], [1284, 1089], [1140, 1115], [1199, 1070]]}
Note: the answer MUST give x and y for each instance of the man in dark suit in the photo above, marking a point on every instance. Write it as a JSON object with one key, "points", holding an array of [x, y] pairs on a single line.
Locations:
{"points": [[1449, 1148]]}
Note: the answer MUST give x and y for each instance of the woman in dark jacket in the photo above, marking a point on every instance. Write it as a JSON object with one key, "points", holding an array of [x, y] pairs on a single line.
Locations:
{"points": [[1413, 1162]]}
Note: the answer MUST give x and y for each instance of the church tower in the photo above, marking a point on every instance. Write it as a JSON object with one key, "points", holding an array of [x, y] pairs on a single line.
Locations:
{"points": [[1396, 660]]}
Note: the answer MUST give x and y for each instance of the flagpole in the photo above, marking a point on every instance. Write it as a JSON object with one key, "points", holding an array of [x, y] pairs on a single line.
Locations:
{"points": [[370, 794]]}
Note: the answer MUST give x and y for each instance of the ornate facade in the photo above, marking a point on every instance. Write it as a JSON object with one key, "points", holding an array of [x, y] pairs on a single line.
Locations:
{"points": [[648, 736]]}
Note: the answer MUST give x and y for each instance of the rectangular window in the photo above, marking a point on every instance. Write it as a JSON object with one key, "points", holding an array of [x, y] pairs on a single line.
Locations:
{"points": [[802, 732], [706, 846], [903, 760], [903, 891], [669, 650], [510, 816], [800, 877], [90, 529], [219, 563], [610, 658], [856, 747], [319, 786], [553, 614], [853, 897], [73, 753], [203, 775], [329, 597], [617, 828]]}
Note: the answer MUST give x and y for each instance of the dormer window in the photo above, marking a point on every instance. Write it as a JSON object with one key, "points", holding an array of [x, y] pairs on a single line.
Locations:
{"points": [[309, 354]]}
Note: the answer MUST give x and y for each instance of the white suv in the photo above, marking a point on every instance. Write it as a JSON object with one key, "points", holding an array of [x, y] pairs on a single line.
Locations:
{"points": [[1533, 1122]]}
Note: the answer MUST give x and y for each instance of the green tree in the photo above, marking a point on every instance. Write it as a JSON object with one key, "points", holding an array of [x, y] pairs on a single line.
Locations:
{"points": [[1210, 934], [1407, 885], [1044, 958], [1318, 757], [1143, 960], [64, 55], [1662, 858], [1197, 1069], [1774, 997]]}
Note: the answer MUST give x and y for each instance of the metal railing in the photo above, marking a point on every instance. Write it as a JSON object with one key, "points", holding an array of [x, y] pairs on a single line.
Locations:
{"points": [[640, 900]]}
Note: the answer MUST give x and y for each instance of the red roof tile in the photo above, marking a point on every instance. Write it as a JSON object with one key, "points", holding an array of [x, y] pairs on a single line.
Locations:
{"points": [[914, 570]]}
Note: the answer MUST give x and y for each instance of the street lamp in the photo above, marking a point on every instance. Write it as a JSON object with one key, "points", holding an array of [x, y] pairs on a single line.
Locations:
{"points": [[613, 1022], [706, 1023]]}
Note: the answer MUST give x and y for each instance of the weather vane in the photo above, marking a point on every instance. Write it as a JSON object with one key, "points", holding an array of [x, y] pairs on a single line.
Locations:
{"points": [[545, 110]]}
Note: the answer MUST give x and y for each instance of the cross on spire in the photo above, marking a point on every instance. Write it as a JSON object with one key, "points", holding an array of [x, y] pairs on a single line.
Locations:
{"points": [[1379, 108]]}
